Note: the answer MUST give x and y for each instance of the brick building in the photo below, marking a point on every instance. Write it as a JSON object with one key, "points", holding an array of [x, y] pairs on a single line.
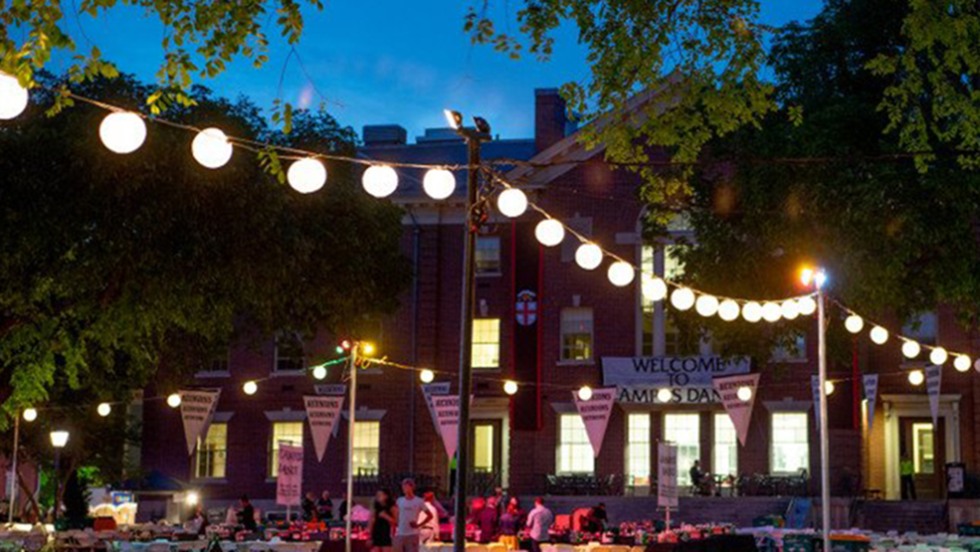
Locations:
{"points": [[531, 442]]}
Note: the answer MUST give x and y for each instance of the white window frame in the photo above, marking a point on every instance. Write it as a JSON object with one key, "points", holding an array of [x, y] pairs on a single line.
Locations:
{"points": [[573, 453], [773, 443], [218, 456], [717, 446], [274, 443], [577, 314], [674, 434], [638, 449], [369, 430], [477, 347]]}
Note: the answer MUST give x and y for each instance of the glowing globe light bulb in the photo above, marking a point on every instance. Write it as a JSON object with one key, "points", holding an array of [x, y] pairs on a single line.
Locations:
{"points": [[771, 312], [878, 335], [173, 400], [911, 349], [961, 363], [319, 372], [427, 376], [379, 180], [588, 256], [916, 377], [621, 274], [938, 356], [752, 312], [706, 305], [306, 175], [250, 387], [512, 202], [653, 288], [854, 323], [13, 97], [806, 305], [439, 183], [744, 393], [789, 309], [549, 232], [30, 414], [122, 132], [664, 395], [211, 148], [510, 387], [728, 310], [682, 299], [829, 387], [585, 393], [104, 409]]}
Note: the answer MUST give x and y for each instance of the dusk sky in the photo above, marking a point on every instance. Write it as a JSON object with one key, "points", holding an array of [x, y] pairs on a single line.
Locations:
{"points": [[383, 61]]}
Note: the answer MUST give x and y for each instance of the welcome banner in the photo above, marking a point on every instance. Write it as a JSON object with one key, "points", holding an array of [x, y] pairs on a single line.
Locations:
{"points": [[322, 412], [595, 414], [738, 410], [197, 410]]}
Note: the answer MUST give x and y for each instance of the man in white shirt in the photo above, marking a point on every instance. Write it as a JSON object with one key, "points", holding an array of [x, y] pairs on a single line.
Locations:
{"points": [[411, 514], [539, 521]]}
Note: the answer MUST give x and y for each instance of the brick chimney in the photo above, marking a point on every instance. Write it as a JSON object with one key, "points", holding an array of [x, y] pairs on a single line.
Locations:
{"points": [[550, 118]]}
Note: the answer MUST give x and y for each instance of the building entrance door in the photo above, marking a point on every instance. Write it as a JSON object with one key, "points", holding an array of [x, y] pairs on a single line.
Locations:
{"points": [[925, 445], [486, 439]]}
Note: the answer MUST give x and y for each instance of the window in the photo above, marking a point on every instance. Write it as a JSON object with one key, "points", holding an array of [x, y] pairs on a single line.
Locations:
{"points": [[792, 351], [684, 430], [924, 460], [724, 457], [575, 453], [638, 449], [576, 334], [486, 343], [487, 255], [212, 453], [923, 328], [367, 447], [673, 266], [289, 353], [647, 307], [790, 442], [483, 448], [291, 433]]}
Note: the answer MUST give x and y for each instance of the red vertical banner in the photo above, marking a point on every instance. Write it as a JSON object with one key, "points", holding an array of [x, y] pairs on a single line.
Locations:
{"points": [[526, 324]]}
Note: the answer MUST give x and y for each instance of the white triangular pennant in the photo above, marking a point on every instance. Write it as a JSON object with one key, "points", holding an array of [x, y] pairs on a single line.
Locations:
{"points": [[445, 411], [595, 414], [197, 410], [322, 412], [740, 411]]}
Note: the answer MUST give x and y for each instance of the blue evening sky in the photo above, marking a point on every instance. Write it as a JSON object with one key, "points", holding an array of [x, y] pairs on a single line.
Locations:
{"points": [[383, 61]]}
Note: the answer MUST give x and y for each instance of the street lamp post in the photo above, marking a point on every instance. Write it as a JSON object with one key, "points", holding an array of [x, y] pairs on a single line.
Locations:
{"points": [[473, 137], [59, 439], [817, 278], [351, 410]]}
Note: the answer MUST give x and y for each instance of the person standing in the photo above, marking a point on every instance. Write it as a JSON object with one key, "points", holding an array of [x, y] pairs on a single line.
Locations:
{"points": [[429, 531], [488, 521], [324, 507], [539, 521], [410, 514], [246, 516], [309, 507], [907, 471], [508, 524], [382, 520], [342, 509]]}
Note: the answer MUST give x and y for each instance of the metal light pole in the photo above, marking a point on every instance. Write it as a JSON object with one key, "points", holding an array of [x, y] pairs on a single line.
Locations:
{"points": [[817, 278], [351, 410], [473, 139], [58, 440]]}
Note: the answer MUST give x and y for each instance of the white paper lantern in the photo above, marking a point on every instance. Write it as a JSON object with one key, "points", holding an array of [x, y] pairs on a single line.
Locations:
{"points": [[653, 288], [319, 372], [588, 256], [30, 414], [250, 387], [879, 335], [173, 400], [439, 183], [13, 97], [854, 323], [122, 131], [104, 409], [664, 395], [682, 299], [789, 309], [771, 312], [752, 312], [744, 393], [585, 393], [728, 310], [306, 175], [829, 387], [961, 363], [806, 305], [916, 377], [938, 356], [706, 305], [427, 376], [512, 202], [549, 232], [510, 387], [211, 148], [911, 349], [621, 273], [380, 180]]}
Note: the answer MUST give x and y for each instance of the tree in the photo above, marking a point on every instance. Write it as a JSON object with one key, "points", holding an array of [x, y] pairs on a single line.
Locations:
{"points": [[114, 266], [896, 241]]}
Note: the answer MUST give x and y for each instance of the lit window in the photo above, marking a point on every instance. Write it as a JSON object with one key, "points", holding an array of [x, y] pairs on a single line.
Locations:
{"points": [[367, 447], [212, 452], [574, 449], [483, 448], [576, 334], [638, 449], [684, 430], [289, 353], [924, 460], [724, 459], [487, 255], [793, 351], [486, 343], [790, 442], [291, 433], [923, 328]]}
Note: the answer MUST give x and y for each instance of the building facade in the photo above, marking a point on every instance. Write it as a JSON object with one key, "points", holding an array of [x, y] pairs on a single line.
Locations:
{"points": [[544, 322]]}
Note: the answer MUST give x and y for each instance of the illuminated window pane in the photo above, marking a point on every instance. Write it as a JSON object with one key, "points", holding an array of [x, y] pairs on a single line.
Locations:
{"points": [[212, 452], [638, 448], [576, 334], [367, 447], [483, 448], [790, 442], [486, 343], [724, 458], [292, 433], [574, 449], [684, 430]]}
